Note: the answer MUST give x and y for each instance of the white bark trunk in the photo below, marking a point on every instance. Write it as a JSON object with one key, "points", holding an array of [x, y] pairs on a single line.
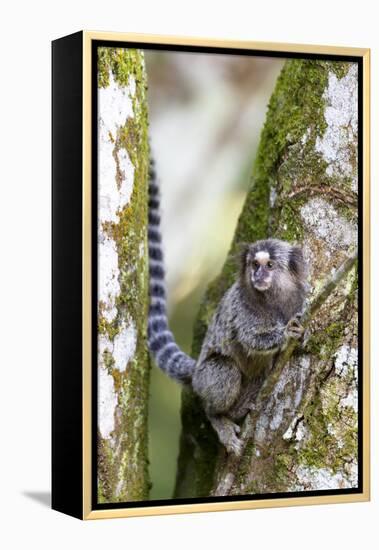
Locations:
{"points": [[123, 367]]}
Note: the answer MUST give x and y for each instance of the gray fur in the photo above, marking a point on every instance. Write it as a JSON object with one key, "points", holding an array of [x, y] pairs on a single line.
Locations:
{"points": [[253, 321]]}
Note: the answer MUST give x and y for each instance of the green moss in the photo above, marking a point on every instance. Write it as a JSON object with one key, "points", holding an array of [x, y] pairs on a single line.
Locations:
{"points": [[107, 475], [294, 110], [352, 286], [108, 360], [122, 63], [287, 158], [197, 453], [332, 430], [278, 475], [245, 465], [323, 343], [290, 224]]}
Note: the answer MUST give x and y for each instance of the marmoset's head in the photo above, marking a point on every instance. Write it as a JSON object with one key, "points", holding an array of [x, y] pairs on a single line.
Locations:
{"points": [[272, 264]]}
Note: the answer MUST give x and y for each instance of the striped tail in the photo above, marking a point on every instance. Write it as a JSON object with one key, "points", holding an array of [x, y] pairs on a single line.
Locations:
{"points": [[166, 352]]}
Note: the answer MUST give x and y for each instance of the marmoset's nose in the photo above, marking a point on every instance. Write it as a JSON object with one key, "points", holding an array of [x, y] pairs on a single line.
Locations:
{"points": [[260, 274]]}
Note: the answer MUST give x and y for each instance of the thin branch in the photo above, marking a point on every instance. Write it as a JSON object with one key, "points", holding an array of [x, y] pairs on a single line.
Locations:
{"points": [[342, 197], [329, 285], [230, 469]]}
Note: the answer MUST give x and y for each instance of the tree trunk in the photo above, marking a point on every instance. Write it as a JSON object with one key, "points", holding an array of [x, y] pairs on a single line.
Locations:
{"points": [[123, 363], [303, 433]]}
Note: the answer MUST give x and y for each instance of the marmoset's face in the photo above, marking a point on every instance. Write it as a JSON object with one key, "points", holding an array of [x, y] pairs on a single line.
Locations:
{"points": [[261, 270], [273, 264]]}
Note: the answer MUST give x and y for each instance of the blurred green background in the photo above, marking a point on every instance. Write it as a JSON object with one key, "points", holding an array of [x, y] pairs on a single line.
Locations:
{"points": [[206, 114]]}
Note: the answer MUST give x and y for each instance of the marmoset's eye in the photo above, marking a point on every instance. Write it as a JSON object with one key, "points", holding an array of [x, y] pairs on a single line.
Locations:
{"points": [[270, 265], [255, 264]]}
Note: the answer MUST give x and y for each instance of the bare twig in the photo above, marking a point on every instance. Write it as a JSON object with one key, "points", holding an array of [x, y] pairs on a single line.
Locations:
{"points": [[342, 197]]}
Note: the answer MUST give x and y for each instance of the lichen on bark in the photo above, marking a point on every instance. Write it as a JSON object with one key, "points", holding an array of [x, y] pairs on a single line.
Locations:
{"points": [[303, 190], [123, 363]]}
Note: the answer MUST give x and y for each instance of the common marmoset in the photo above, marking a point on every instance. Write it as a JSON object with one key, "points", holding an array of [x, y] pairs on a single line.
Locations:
{"points": [[252, 322]]}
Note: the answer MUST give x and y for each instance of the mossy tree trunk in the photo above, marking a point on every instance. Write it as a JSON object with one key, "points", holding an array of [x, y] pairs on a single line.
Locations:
{"points": [[123, 364], [303, 435]]}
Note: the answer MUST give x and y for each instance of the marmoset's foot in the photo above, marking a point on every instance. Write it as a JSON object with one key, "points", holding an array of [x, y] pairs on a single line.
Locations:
{"points": [[227, 432]]}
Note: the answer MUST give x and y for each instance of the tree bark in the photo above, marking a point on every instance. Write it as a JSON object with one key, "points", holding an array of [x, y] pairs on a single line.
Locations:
{"points": [[123, 363], [302, 434]]}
